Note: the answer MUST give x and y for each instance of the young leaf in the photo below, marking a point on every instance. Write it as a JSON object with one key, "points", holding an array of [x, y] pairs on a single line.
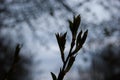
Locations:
{"points": [[16, 55], [79, 38], [53, 76], [84, 37], [80, 41], [71, 26], [17, 50], [61, 39], [74, 25]]}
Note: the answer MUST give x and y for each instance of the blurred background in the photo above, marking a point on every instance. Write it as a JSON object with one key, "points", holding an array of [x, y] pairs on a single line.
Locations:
{"points": [[33, 23]]}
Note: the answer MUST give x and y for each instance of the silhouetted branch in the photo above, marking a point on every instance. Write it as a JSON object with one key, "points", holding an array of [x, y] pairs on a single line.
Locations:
{"points": [[76, 44], [15, 61]]}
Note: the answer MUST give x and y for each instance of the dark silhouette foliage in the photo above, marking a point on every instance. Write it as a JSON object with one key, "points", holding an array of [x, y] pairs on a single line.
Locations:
{"points": [[78, 39], [12, 64], [15, 61]]}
